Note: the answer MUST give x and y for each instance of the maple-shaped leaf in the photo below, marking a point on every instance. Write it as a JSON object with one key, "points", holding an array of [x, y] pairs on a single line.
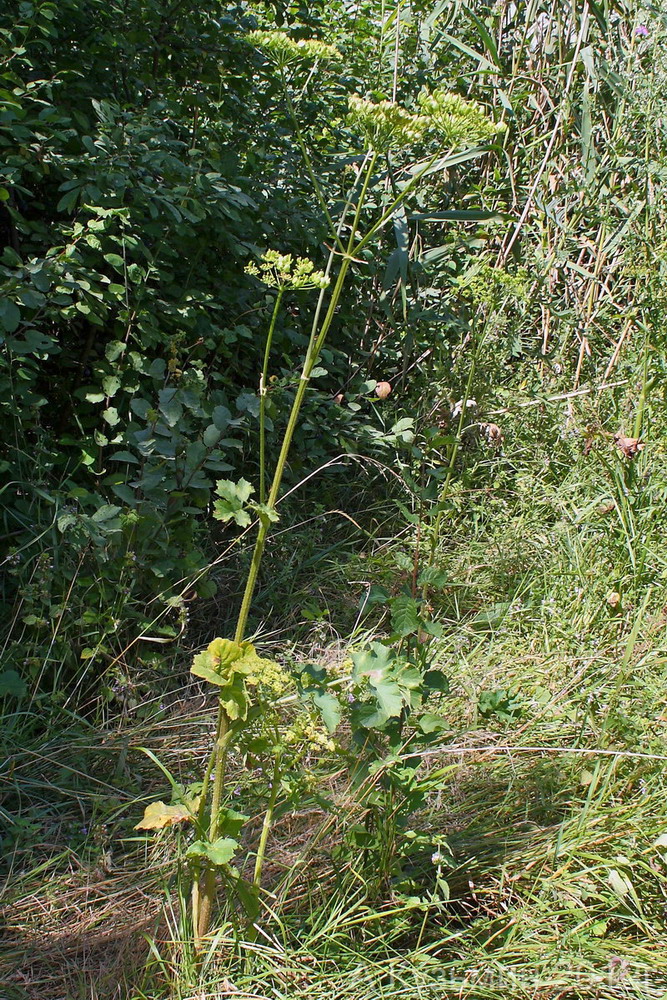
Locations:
{"points": [[232, 500], [157, 815]]}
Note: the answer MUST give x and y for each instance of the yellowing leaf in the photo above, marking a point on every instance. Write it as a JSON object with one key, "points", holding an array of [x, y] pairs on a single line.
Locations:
{"points": [[226, 651], [158, 815]]}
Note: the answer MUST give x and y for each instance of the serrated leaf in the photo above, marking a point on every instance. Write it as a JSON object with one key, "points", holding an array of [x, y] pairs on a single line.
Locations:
{"points": [[159, 815], [431, 576], [376, 666], [232, 497], [405, 616], [202, 667]]}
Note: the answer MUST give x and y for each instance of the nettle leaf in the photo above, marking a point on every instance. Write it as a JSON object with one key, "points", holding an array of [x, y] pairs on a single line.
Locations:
{"points": [[405, 616], [232, 499], [158, 815], [219, 853], [431, 576]]}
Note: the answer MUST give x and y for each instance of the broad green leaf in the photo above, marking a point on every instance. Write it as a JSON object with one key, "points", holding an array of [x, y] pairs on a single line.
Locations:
{"points": [[111, 416], [433, 577], [202, 667], [111, 385], [234, 700], [376, 665], [10, 315], [330, 709], [115, 260], [230, 822], [220, 852], [211, 436], [430, 723], [170, 408], [11, 684], [232, 497]]}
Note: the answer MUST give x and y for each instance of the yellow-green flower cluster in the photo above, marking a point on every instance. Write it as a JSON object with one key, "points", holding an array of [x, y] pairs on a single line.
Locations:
{"points": [[272, 679], [284, 50], [458, 122], [282, 270], [308, 732], [491, 285], [385, 125]]}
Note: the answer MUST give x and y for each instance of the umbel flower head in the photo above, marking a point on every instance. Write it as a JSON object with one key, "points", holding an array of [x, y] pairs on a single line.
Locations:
{"points": [[282, 270], [284, 50], [445, 117], [458, 122], [385, 125]]}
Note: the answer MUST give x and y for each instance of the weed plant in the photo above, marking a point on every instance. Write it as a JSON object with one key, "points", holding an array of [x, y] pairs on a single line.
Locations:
{"points": [[507, 836]]}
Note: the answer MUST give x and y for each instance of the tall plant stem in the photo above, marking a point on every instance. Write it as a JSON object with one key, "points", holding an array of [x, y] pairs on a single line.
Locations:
{"points": [[317, 338], [205, 898], [266, 825], [314, 347], [262, 398]]}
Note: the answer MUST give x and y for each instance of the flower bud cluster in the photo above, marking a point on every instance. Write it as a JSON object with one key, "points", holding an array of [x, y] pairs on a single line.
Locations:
{"points": [[284, 50], [308, 732], [444, 117], [285, 272], [458, 122], [385, 125]]}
